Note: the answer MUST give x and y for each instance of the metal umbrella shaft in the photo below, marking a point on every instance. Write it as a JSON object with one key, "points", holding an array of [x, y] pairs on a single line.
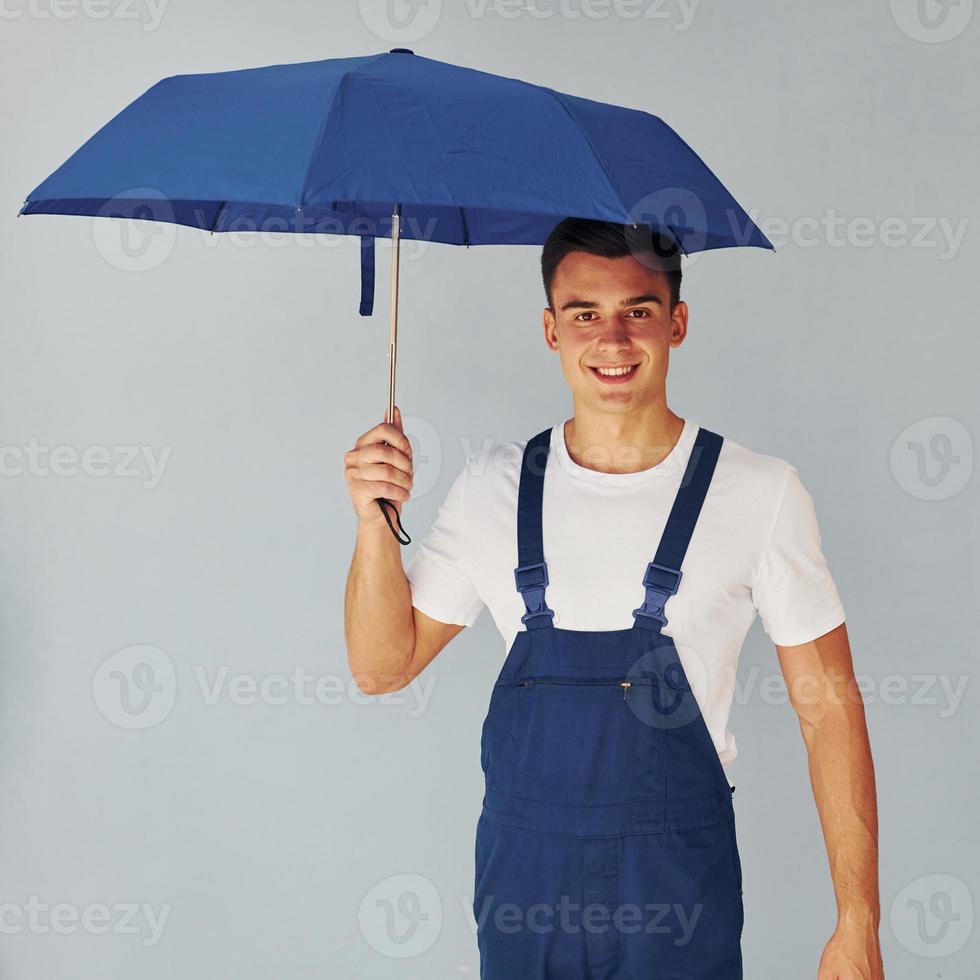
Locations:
{"points": [[383, 502]]}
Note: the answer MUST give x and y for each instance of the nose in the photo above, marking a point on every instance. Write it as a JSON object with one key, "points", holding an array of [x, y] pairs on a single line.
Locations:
{"points": [[614, 335]]}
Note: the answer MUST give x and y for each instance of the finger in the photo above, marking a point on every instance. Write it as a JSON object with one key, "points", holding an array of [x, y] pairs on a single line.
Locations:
{"points": [[378, 453], [380, 488], [384, 432], [396, 420], [401, 427], [384, 471]]}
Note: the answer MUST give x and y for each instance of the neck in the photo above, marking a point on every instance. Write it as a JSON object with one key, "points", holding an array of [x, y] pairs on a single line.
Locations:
{"points": [[627, 443]]}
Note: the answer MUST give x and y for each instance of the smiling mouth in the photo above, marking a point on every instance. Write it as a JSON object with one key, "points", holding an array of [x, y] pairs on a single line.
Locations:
{"points": [[614, 375]]}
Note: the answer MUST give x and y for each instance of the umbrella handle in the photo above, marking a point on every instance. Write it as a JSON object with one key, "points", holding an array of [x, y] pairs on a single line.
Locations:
{"points": [[384, 503]]}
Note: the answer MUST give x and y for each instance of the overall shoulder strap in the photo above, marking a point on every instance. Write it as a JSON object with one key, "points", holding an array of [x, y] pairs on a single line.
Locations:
{"points": [[531, 574], [663, 574]]}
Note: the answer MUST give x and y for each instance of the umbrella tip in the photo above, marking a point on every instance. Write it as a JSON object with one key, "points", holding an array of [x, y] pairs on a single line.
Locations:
{"points": [[401, 51]]}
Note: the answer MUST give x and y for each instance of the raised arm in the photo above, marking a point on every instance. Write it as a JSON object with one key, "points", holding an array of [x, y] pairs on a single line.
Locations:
{"points": [[824, 693], [388, 641]]}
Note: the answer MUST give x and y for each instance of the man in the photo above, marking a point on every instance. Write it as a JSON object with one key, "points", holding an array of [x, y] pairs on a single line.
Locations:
{"points": [[623, 554]]}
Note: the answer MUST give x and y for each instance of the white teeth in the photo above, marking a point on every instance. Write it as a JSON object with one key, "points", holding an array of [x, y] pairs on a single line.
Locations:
{"points": [[615, 372]]}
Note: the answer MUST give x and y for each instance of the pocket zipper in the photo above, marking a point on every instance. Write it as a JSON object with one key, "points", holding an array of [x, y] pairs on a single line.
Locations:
{"points": [[577, 682]]}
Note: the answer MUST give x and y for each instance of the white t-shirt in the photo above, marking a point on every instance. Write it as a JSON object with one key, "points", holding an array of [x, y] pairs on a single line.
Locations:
{"points": [[756, 548]]}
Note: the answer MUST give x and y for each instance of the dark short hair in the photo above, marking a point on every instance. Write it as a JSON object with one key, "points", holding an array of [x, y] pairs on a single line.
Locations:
{"points": [[612, 241]]}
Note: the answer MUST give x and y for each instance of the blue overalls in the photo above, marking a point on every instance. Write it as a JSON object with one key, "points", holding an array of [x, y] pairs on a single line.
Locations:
{"points": [[605, 849]]}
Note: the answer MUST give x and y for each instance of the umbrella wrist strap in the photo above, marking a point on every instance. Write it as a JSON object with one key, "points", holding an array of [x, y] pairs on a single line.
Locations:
{"points": [[384, 504]]}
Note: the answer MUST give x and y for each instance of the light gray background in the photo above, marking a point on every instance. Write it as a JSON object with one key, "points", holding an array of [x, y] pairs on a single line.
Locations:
{"points": [[263, 826]]}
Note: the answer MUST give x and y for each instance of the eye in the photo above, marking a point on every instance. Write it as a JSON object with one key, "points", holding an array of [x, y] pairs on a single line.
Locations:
{"points": [[586, 313], [644, 313]]}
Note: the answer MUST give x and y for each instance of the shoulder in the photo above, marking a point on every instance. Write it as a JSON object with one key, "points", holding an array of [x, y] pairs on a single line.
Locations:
{"points": [[759, 478], [752, 463], [761, 500]]}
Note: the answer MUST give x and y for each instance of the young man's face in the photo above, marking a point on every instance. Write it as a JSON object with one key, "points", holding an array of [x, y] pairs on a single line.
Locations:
{"points": [[613, 313]]}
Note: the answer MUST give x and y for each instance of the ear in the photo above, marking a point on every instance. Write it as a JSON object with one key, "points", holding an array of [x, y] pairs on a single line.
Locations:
{"points": [[550, 326], [678, 324]]}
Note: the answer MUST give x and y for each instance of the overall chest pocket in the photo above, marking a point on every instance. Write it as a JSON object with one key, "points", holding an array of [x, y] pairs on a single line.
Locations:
{"points": [[571, 740]]}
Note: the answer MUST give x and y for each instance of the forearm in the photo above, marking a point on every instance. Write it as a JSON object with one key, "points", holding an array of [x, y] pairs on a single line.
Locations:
{"points": [[842, 777], [378, 619]]}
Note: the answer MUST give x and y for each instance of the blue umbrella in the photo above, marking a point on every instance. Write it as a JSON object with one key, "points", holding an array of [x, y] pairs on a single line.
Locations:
{"points": [[391, 145]]}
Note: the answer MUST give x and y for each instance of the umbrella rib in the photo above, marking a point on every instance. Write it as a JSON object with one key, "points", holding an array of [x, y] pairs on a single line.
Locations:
{"points": [[217, 217], [602, 163], [595, 153], [323, 128], [677, 239]]}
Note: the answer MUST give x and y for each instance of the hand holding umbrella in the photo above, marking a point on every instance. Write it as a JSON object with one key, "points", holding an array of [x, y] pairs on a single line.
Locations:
{"points": [[379, 467]]}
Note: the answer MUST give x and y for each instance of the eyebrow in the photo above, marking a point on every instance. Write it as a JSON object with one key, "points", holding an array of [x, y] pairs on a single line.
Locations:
{"points": [[585, 304]]}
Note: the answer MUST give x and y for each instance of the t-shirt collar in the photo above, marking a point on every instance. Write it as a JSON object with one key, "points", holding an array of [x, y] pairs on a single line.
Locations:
{"points": [[671, 466]]}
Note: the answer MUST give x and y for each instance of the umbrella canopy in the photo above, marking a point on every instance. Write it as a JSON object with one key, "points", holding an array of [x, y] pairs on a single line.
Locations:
{"points": [[471, 158], [391, 145]]}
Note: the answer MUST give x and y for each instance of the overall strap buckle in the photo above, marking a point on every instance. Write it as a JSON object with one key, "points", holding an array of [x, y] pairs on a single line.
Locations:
{"points": [[531, 581], [661, 582]]}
